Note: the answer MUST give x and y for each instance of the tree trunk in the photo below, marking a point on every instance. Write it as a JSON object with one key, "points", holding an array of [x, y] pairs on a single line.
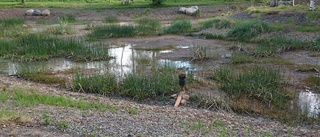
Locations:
{"points": [[23, 1]]}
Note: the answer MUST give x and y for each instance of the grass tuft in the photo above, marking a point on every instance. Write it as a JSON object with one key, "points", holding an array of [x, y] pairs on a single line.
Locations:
{"points": [[179, 27], [148, 26], [257, 83], [111, 19], [102, 84], [162, 82], [248, 30], [109, 31], [218, 23], [36, 47]]}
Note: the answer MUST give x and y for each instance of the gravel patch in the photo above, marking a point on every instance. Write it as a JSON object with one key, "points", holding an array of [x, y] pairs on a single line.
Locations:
{"points": [[150, 120]]}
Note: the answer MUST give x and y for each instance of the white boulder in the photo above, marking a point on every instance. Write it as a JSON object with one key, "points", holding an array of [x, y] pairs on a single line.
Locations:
{"points": [[45, 12], [191, 11], [188, 10], [183, 9], [29, 12]]}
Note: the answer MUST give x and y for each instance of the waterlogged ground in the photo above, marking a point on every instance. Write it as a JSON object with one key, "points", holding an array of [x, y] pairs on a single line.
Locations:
{"points": [[128, 118]]}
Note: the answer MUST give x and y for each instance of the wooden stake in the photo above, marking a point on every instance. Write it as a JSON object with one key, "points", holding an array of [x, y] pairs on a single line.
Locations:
{"points": [[178, 101]]}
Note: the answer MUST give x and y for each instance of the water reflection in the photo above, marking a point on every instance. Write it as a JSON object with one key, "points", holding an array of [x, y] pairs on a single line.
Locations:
{"points": [[126, 60], [309, 102]]}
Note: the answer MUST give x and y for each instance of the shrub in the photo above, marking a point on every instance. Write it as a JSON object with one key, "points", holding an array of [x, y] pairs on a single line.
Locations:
{"points": [[248, 30], [179, 27]]}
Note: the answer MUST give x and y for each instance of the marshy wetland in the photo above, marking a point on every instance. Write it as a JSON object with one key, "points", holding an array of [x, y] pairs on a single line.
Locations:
{"points": [[252, 70]]}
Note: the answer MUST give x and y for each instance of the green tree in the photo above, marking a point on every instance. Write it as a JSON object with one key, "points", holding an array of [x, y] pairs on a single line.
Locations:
{"points": [[23, 1]]}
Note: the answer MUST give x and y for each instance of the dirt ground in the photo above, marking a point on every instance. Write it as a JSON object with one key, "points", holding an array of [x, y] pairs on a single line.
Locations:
{"points": [[144, 124]]}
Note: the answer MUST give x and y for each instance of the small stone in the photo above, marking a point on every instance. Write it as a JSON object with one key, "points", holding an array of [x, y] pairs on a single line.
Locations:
{"points": [[183, 101]]}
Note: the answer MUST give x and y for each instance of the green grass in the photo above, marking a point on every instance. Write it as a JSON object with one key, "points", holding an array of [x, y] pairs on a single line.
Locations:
{"points": [[313, 81], [10, 22], [218, 23], [70, 18], [36, 47], [110, 31], [239, 59], [313, 16], [104, 84], [303, 28], [133, 111], [259, 83], [101, 4], [179, 27], [148, 26], [63, 29], [246, 31], [46, 119], [37, 74], [62, 125], [6, 114], [24, 99], [4, 97], [111, 19], [277, 44], [316, 45], [12, 27], [160, 83], [145, 26]]}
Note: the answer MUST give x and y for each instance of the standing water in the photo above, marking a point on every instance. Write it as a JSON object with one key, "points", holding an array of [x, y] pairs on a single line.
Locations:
{"points": [[309, 103]]}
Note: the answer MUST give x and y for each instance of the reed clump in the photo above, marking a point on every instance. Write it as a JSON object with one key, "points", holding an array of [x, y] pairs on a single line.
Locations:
{"points": [[179, 27], [263, 84], [248, 30], [105, 84], [12, 27], [36, 47], [110, 31]]}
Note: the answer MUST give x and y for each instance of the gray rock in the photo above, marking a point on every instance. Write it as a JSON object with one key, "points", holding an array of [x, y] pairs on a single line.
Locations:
{"points": [[29, 12], [45, 12], [36, 12]]}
